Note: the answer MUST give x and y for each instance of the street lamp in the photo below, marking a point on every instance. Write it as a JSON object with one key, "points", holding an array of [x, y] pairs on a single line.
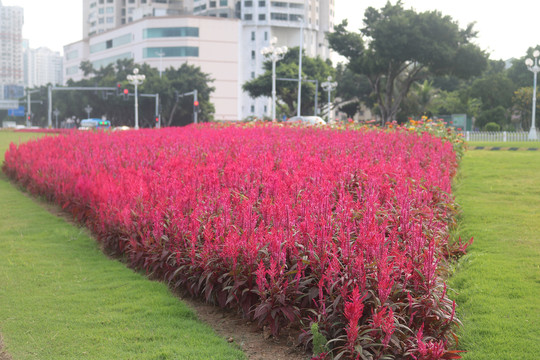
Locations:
{"points": [[299, 101], [275, 54], [56, 112], [160, 54], [533, 66], [329, 86], [136, 80], [88, 110]]}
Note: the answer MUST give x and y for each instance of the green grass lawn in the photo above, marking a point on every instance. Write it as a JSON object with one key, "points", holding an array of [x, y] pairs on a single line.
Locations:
{"points": [[61, 298], [518, 144], [498, 282]]}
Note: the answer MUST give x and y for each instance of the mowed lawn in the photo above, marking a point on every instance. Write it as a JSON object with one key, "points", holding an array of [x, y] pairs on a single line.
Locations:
{"points": [[498, 282], [61, 298]]}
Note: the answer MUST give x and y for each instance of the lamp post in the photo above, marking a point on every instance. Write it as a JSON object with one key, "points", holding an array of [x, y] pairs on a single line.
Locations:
{"points": [[160, 54], [275, 54], [299, 101], [88, 110], [56, 112], [533, 66], [136, 80], [329, 86]]}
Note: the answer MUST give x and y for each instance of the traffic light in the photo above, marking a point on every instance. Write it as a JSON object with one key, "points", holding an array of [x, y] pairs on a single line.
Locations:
{"points": [[118, 89], [195, 106], [126, 94]]}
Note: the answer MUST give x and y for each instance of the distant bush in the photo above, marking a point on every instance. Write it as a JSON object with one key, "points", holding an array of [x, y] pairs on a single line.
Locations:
{"points": [[492, 126], [496, 115]]}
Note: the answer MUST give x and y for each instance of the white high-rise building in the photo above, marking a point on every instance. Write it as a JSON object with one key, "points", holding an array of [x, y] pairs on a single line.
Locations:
{"points": [[102, 15], [42, 66], [263, 20], [260, 21], [11, 42]]}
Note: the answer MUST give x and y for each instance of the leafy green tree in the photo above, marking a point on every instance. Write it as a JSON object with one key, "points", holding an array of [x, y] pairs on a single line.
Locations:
{"points": [[175, 111], [495, 115], [398, 47], [518, 72], [494, 90], [522, 105], [352, 90], [287, 91]]}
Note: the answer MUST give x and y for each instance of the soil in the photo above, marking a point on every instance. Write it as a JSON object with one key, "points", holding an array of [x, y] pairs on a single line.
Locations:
{"points": [[257, 344], [3, 355]]}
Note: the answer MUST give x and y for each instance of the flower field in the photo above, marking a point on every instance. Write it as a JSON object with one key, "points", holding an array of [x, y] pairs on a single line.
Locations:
{"points": [[345, 229]]}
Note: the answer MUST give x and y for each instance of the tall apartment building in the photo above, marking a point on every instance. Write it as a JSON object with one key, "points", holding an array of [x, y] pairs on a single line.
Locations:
{"points": [[102, 15], [42, 66], [11, 55], [260, 21], [163, 42]]}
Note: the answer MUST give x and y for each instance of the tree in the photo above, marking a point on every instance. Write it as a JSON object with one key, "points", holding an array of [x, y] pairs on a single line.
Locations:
{"points": [[398, 47], [175, 111], [522, 105], [518, 72], [287, 91], [494, 90]]}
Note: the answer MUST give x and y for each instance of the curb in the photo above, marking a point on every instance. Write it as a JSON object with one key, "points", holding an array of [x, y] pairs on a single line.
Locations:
{"points": [[496, 148]]}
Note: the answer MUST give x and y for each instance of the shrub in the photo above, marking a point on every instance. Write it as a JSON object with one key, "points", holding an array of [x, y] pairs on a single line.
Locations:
{"points": [[291, 226], [491, 126]]}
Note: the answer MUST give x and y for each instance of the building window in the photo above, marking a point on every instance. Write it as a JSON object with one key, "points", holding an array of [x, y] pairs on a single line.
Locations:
{"points": [[111, 43], [170, 32], [73, 54], [253, 36], [294, 17], [101, 11], [252, 54], [101, 1], [72, 70], [109, 10], [248, 3], [110, 20], [252, 109], [131, 1], [179, 51], [223, 15], [143, 1], [253, 74], [262, 3], [111, 60], [278, 16], [262, 17], [212, 4], [278, 4], [296, 6], [223, 3], [110, 1], [266, 36], [248, 17], [101, 21]]}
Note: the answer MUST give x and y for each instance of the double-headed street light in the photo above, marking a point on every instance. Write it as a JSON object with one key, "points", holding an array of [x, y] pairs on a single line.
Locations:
{"points": [[329, 86], [275, 54], [533, 66], [136, 80]]}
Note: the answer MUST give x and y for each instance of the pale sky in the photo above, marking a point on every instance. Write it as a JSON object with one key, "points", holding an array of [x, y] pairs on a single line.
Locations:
{"points": [[506, 28]]}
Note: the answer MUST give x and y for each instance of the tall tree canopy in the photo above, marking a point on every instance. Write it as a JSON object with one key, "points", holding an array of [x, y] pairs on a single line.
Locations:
{"points": [[287, 91], [397, 47]]}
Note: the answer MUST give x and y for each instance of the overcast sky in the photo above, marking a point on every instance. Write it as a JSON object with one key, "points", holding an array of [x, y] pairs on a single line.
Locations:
{"points": [[506, 28]]}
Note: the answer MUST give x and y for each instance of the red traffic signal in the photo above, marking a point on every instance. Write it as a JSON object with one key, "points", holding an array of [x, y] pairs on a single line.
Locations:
{"points": [[157, 119], [126, 91], [195, 103]]}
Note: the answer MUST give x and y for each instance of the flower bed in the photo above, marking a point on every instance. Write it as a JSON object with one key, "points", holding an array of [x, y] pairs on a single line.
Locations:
{"points": [[344, 229]]}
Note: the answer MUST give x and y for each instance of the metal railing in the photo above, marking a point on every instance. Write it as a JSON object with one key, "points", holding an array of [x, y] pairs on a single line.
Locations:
{"points": [[500, 136]]}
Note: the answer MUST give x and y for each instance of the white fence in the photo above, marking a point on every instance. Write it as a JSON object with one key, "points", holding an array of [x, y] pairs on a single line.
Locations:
{"points": [[500, 136]]}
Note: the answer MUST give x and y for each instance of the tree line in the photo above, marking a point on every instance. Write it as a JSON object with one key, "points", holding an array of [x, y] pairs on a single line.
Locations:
{"points": [[175, 111]]}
